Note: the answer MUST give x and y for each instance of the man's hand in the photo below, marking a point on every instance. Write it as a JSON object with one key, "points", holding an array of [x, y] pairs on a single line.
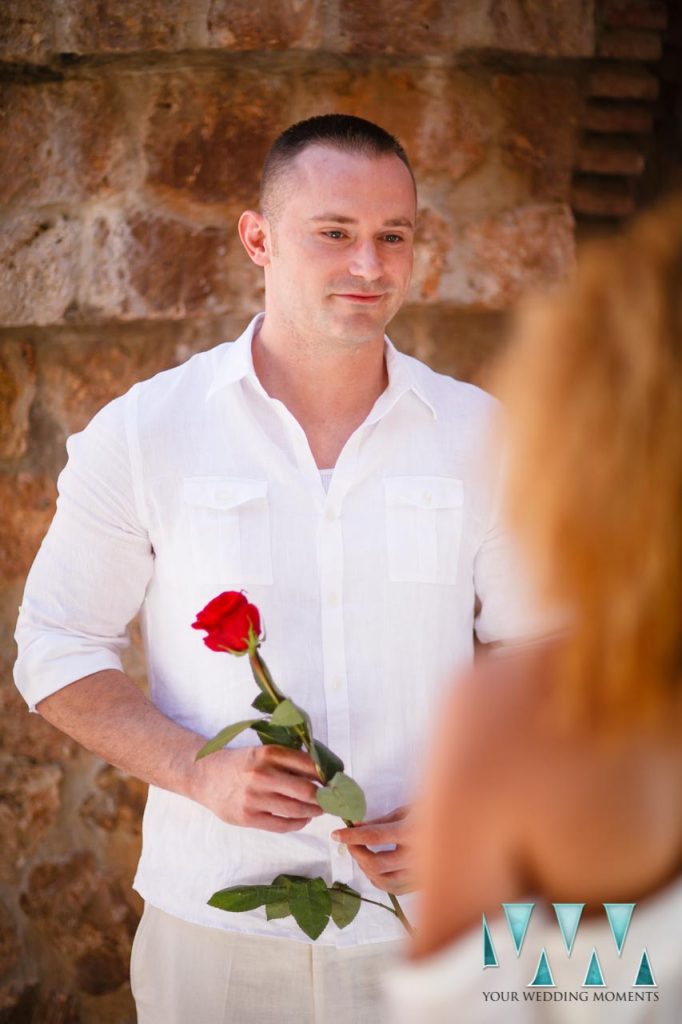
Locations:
{"points": [[388, 870], [268, 787]]}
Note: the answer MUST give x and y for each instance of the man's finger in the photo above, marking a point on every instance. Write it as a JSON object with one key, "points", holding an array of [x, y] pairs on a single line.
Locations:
{"points": [[368, 835]]}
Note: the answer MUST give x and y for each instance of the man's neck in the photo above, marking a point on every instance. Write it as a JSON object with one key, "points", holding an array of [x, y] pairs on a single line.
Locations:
{"points": [[330, 389]]}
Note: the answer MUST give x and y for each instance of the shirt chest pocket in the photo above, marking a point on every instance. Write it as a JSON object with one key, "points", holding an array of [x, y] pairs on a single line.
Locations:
{"points": [[226, 525], [423, 528]]}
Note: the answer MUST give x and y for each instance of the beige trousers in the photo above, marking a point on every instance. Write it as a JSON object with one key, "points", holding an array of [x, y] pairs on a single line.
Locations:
{"points": [[184, 973]]}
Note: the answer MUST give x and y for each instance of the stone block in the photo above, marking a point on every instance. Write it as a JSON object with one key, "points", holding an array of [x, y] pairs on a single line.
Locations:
{"points": [[148, 267], [27, 30], [644, 14], [618, 118], [128, 26], [117, 803], [501, 256], [445, 118], [392, 26], [624, 44], [549, 28], [39, 266], [207, 135], [623, 85], [63, 142], [242, 25], [27, 505], [461, 343], [82, 911], [542, 115], [29, 804], [17, 391], [80, 375]]}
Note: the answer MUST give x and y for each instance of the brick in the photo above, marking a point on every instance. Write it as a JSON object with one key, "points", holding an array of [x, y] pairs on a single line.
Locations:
{"points": [[550, 28], [623, 118], [503, 255], [67, 137], [542, 115], [146, 266], [27, 504], [208, 133], [610, 199], [624, 85], [17, 391], [610, 157], [39, 267], [643, 14], [240, 25], [623, 44]]}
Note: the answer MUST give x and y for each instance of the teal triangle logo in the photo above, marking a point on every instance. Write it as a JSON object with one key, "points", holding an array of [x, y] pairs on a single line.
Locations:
{"points": [[543, 974], [594, 977], [619, 915], [568, 916], [518, 916], [489, 955], [645, 976]]}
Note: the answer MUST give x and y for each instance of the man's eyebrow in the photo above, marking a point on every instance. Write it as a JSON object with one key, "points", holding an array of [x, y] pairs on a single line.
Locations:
{"points": [[338, 218]]}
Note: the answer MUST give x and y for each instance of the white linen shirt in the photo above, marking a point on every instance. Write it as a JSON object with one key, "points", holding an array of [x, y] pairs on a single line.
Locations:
{"points": [[196, 482]]}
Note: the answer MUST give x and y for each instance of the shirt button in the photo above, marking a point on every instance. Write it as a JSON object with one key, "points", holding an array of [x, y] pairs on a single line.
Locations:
{"points": [[333, 599], [336, 685], [427, 499], [330, 515], [341, 851]]}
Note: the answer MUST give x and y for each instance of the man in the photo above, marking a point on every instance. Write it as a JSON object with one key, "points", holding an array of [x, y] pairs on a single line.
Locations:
{"points": [[340, 484]]}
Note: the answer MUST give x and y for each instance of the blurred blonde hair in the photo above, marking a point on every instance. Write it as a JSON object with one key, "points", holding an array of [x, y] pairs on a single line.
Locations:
{"points": [[592, 385]]}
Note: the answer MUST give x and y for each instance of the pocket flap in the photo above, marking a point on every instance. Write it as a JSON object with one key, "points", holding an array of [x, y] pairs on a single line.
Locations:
{"points": [[222, 491], [424, 491]]}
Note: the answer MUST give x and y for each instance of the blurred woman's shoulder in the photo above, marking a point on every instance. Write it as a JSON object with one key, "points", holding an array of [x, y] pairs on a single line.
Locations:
{"points": [[598, 812]]}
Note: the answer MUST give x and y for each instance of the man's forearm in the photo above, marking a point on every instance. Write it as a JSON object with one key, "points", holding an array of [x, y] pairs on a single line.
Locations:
{"points": [[110, 716], [266, 787]]}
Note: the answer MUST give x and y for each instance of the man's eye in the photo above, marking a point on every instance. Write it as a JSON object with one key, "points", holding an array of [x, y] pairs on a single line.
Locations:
{"points": [[334, 233], [393, 238]]}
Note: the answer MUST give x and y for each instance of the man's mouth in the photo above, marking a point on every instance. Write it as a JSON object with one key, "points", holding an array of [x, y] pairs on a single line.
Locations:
{"points": [[362, 297]]}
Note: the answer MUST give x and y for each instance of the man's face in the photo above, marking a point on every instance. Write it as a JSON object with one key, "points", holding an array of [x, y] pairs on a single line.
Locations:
{"points": [[341, 244]]}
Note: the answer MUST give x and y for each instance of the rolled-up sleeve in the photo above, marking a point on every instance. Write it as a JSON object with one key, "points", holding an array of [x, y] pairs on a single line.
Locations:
{"points": [[89, 577]]}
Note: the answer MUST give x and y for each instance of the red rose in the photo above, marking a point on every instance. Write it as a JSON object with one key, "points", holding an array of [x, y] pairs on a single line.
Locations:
{"points": [[231, 623]]}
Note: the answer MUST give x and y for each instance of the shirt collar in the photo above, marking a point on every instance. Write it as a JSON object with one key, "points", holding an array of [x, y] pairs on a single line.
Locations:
{"points": [[237, 363]]}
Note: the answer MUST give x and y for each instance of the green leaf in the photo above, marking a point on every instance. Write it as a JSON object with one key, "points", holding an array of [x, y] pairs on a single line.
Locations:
{"points": [[287, 714], [238, 898], [275, 910], [327, 761], [311, 905], [345, 904], [343, 797], [222, 738], [264, 702], [268, 733], [288, 880]]}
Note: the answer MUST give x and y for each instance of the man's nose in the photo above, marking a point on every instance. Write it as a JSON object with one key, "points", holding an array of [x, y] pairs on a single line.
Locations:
{"points": [[365, 261]]}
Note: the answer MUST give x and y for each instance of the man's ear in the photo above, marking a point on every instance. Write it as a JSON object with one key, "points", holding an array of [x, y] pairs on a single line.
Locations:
{"points": [[255, 237]]}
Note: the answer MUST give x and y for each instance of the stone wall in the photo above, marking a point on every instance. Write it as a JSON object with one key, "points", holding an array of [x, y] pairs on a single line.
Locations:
{"points": [[131, 137]]}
